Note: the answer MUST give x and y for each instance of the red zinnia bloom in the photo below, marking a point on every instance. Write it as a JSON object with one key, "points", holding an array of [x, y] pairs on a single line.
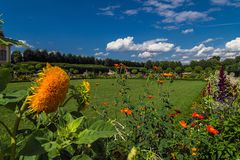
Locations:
{"points": [[212, 130]]}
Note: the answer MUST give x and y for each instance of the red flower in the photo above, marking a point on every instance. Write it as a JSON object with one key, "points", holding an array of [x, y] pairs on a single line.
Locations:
{"points": [[172, 114], [212, 130], [199, 116], [183, 124], [192, 124]]}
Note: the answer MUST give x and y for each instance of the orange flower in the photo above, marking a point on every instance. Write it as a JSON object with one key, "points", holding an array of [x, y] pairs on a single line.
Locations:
{"points": [[183, 124], [167, 75], [138, 127], [199, 116], [50, 90], [212, 130], [126, 110], [194, 151], [116, 65]]}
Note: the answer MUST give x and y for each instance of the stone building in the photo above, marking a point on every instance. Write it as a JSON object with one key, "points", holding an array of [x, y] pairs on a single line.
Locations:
{"points": [[5, 49]]}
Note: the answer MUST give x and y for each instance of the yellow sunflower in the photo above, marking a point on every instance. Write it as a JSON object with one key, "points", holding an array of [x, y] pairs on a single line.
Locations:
{"points": [[50, 91], [86, 85]]}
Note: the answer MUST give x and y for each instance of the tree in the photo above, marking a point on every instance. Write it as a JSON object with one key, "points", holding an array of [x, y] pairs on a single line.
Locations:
{"points": [[178, 70], [134, 71], [16, 57], [198, 69], [188, 69]]}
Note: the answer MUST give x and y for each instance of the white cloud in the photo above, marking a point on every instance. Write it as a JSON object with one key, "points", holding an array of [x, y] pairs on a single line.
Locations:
{"points": [[208, 40], [25, 43], [131, 12], [221, 2], [197, 51], [186, 31], [235, 3], [127, 44], [186, 16], [133, 55], [108, 11], [170, 27], [146, 55], [101, 54], [96, 49], [233, 44]]}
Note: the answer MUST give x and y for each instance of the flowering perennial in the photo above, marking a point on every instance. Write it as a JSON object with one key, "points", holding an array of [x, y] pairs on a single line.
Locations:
{"points": [[50, 91]]}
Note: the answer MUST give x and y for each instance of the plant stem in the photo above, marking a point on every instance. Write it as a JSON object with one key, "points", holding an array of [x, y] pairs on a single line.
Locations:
{"points": [[66, 101], [14, 132], [6, 127]]}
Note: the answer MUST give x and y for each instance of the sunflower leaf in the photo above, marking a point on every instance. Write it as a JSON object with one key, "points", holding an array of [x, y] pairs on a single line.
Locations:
{"points": [[99, 129]]}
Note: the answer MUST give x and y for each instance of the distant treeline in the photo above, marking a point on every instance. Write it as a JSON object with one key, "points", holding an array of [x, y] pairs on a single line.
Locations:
{"points": [[232, 65]]}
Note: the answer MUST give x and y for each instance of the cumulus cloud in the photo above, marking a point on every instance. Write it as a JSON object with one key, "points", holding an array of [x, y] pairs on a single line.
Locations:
{"points": [[233, 44], [127, 44], [133, 55], [186, 31], [197, 51], [147, 55]]}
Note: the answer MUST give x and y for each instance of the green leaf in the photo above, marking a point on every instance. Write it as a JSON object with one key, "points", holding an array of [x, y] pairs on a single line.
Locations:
{"points": [[99, 129], [74, 124], [81, 157], [12, 97], [5, 77], [31, 146]]}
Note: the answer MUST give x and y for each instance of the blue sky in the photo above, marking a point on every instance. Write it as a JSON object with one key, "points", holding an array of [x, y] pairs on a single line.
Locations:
{"points": [[135, 30]]}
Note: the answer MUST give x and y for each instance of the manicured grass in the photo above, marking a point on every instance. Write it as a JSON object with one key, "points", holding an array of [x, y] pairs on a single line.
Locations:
{"points": [[183, 93]]}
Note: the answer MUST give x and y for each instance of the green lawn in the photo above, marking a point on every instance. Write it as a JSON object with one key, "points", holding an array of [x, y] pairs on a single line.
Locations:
{"points": [[183, 93]]}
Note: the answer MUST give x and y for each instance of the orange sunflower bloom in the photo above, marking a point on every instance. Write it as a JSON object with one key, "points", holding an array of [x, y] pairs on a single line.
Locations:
{"points": [[50, 91], [212, 130], [183, 124]]}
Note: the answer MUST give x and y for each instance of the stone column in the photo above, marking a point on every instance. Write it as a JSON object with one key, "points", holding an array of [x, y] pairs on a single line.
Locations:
{"points": [[9, 54]]}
